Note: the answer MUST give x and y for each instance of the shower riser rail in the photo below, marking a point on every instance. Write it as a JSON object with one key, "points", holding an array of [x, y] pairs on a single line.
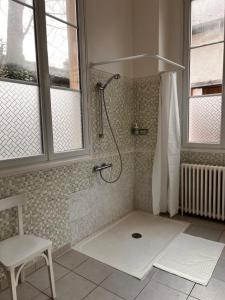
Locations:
{"points": [[203, 190]]}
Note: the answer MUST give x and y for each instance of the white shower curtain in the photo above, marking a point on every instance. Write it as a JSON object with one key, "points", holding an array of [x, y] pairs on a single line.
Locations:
{"points": [[165, 177]]}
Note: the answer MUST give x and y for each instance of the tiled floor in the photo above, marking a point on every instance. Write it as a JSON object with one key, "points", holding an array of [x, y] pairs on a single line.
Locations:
{"points": [[79, 277]]}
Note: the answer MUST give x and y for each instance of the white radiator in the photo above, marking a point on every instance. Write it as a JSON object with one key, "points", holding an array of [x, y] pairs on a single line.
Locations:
{"points": [[203, 190]]}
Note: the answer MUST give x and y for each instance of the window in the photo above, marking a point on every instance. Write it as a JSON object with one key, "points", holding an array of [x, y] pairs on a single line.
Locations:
{"points": [[42, 91], [204, 79]]}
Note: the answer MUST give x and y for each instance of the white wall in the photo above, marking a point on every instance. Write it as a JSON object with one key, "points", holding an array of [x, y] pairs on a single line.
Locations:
{"points": [[146, 37], [171, 36], [110, 33], [117, 28], [171, 31], [158, 29]]}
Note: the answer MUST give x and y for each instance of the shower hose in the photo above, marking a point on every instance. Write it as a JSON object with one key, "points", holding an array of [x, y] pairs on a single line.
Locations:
{"points": [[115, 141]]}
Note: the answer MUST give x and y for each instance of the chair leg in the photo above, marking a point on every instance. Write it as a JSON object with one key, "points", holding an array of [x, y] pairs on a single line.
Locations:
{"points": [[51, 274], [13, 284]]}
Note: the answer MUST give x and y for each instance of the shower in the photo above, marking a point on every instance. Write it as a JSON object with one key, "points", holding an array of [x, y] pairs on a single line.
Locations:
{"points": [[102, 106], [102, 86]]}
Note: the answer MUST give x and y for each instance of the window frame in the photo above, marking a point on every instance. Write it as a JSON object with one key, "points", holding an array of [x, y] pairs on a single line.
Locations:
{"points": [[186, 87], [44, 89]]}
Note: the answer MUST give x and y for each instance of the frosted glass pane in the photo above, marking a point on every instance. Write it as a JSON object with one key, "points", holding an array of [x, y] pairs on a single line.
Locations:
{"points": [[205, 119], [20, 126], [207, 21], [17, 42], [62, 9], [206, 66], [66, 119], [62, 54]]}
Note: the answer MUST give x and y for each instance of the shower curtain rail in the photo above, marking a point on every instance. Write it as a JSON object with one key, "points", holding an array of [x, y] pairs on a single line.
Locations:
{"points": [[134, 57]]}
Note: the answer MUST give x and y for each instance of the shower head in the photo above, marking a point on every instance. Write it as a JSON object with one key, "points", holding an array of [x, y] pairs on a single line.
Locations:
{"points": [[102, 86]]}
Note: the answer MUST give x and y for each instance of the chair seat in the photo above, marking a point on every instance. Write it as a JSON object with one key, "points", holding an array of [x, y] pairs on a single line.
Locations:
{"points": [[21, 248]]}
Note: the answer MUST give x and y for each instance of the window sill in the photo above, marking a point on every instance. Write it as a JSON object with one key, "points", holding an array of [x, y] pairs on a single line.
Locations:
{"points": [[46, 165]]}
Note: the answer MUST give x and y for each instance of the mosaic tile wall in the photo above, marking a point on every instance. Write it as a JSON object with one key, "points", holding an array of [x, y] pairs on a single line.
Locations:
{"points": [[216, 159], [146, 103], [67, 203], [103, 203], [120, 103]]}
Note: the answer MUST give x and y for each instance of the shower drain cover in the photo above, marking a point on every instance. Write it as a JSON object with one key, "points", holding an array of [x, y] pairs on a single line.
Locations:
{"points": [[136, 235]]}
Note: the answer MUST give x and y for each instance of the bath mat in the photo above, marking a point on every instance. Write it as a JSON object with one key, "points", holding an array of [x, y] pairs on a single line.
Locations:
{"points": [[132, 243], [190, 257]]}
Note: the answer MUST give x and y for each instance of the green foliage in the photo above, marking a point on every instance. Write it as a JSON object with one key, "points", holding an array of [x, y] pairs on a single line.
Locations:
{"points": [[16, 72], [59, 81]]}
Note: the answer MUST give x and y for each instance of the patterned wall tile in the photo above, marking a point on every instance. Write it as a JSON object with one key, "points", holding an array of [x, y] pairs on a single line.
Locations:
{"points": [[143, 177], [146, 103], [119, 97], [206, 158], [8, 223], [103, 203]]}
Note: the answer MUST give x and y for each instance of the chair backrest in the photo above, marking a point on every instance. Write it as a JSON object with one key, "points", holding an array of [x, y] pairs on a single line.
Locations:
{"points": [[14, 201]]}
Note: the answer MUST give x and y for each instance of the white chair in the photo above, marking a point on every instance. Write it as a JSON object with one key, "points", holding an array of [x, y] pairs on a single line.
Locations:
{"points": [[17, 251]]}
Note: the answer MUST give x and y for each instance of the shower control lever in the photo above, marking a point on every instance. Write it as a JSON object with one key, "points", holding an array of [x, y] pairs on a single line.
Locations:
{"points": [[101, 167]]}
